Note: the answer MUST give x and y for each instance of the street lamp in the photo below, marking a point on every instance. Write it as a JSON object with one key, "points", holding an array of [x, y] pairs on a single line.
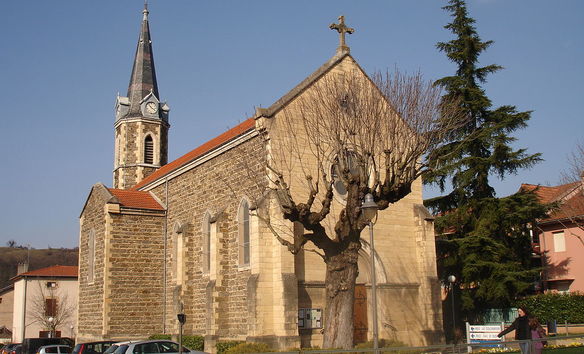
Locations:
{"points": [[451, 280], [369, 208], [182, 318], [50, 319]]}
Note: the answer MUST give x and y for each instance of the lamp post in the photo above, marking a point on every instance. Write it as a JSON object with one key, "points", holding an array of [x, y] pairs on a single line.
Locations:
{"points": [[369, 208], [451, 280], [50, 319], [182, 318]]}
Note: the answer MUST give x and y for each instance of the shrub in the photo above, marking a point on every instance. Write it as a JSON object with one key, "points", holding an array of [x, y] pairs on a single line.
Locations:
{"points": [[249, 348], [160, 336], [382, 343], [222, 347], [560, 307], [192, 342]]}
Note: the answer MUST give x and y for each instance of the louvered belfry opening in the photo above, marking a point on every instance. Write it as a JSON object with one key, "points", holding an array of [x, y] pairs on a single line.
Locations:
{"points": [[148, 150]]}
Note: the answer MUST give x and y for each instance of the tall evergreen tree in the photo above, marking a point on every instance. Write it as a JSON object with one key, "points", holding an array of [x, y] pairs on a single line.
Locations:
{"points": [[485, 240]]}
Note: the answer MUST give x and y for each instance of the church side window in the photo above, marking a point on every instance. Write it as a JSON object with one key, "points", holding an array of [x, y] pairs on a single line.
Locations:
{"points": [[206, 243], [148, 150], [244, 233], [177, 256], [91, 256]]}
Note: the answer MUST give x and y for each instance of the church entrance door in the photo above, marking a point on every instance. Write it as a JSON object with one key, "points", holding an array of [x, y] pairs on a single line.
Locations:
{"points": [[360, 314]]}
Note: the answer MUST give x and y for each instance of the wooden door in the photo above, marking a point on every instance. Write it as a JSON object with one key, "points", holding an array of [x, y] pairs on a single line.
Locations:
{"points": [[360, 315]]}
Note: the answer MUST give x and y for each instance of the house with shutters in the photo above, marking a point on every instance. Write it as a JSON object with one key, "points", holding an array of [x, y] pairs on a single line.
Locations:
{"points": [[184, 237], [559, 238], [44, 303]]}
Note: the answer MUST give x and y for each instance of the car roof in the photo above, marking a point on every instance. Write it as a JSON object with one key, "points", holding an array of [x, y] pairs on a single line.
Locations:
{"points": [[55, 345]]}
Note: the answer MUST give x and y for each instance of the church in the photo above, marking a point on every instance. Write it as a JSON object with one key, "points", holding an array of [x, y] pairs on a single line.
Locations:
{"points": [[187, 236]]}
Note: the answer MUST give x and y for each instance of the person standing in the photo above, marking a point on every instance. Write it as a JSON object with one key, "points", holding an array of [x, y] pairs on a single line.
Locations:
{"points": [[522, 330], [537, 332]]}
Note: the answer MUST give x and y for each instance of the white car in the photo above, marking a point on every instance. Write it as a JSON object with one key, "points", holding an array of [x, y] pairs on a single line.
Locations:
{"points": [[152, 347], [54, 349]]}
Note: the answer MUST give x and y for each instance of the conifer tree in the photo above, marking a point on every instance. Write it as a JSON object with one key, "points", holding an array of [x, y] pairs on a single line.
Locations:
{"points": [[484, 240]]}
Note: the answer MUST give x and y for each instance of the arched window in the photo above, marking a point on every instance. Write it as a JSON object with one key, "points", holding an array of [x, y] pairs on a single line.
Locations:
{"points": [[91, 256], [244, 233], [148, 150], [206, 231]]}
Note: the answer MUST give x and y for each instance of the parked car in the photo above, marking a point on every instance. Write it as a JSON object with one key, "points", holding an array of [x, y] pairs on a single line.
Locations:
{"points": [[116, 345], [8, 348], [17, 349], [32, 345], [152, 347], [92, 347], [55, 349]]}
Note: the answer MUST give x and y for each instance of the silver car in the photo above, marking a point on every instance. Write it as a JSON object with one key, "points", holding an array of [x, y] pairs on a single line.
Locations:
{"points": [[54, 349], [153, 347]]}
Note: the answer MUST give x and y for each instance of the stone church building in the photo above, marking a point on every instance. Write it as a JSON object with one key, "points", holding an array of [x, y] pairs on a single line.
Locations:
{"points": [[184, 236]]}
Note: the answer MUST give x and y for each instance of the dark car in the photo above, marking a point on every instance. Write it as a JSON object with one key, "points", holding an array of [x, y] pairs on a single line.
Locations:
{"points": [[8, 348], [92, 347], [17, 349]]}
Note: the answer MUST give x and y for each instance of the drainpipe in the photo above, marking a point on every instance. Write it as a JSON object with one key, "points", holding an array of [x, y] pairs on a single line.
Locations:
{"points": [[165, 235], [23, 331]]}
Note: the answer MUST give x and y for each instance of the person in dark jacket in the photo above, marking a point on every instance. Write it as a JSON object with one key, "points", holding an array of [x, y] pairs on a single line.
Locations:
{"points": [[522, 330]]}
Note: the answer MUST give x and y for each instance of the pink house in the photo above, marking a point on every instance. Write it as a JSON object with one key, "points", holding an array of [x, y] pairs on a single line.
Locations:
{"points": [[559, 238]]}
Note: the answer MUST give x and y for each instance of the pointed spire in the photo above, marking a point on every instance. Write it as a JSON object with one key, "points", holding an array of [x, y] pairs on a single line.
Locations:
{"points": [[143, 79]]}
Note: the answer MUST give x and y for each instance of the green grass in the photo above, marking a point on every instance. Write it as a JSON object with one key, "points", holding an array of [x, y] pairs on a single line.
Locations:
{"points": [[573, 350]]}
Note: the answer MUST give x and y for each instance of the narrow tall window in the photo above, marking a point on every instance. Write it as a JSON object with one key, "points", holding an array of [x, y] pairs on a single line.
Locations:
{"points": [[177, 253], [244, 233], [206, 230], [559, 242], [91, 256], [148, 150]]}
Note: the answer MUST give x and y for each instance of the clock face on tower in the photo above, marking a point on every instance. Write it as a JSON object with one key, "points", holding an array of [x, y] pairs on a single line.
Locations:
{"points": [[151, 107]]}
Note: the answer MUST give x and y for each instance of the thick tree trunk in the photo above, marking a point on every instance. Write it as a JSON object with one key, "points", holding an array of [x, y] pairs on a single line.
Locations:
{"points": [[341, 274]]}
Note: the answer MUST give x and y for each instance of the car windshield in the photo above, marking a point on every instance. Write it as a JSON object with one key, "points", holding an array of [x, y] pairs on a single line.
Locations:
{"points": [[121, 349], [111, 349], [65, 349]]}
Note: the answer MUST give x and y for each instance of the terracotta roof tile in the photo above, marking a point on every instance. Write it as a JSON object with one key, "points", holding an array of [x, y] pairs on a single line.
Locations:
{"points": [[135, 199], [232, 133], [54, 271], [570, 207]]}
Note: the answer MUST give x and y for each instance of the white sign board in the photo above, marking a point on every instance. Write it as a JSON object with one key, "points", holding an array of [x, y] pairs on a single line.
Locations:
{"points": [[487, 329], [486, 334]]}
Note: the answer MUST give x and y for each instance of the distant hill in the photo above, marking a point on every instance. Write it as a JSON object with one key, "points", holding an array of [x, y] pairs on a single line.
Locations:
{"points": [[38, 258]]}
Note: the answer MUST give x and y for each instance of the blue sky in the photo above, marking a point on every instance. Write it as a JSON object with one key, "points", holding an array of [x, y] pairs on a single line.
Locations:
{"points": [[62, 63]]}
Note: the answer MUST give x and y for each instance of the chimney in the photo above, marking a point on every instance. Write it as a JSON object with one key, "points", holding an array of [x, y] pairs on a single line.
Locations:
{"points": [[22, 268]]}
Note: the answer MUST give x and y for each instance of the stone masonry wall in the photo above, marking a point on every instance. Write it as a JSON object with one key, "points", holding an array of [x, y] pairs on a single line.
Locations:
{"points": [[405, 252], [90, 311], [217, 186], [129, 169], [134, 287]]}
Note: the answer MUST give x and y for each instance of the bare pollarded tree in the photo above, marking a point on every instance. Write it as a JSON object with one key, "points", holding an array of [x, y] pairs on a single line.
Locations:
{"points": [[573, 203], [51, 307], [345, 136]]}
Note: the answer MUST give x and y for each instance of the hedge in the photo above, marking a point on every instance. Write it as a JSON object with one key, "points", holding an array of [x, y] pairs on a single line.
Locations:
{"points": [[243, 348], [192, 342], [222, 347], [559, 307]]}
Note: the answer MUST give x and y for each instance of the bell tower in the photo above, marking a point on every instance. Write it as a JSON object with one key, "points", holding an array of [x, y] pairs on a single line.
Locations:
{"points": [[141, 126]]}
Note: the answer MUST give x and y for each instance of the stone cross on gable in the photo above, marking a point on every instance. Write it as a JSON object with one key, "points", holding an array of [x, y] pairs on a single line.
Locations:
{"points": [[342, 29]]}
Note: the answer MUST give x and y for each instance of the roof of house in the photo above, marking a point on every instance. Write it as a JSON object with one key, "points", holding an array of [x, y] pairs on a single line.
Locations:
{"points": [[56, 271], [570, 197], [135, 199], [245, 126], [210, 145]]}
